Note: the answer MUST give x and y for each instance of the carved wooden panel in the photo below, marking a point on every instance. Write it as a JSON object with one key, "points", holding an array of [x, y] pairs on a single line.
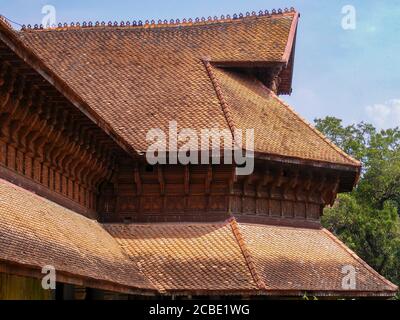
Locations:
{"points": [[127, 204], [157, 194], [174, 204], [45, 138], [287, 209], [275, 209], [197, 203], [262, 207], [151, 204], [300, 210], [249, 205], [218, 203]]}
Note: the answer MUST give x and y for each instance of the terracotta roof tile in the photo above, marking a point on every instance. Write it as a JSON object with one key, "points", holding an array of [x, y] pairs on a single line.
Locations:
{"points": [[246, 253], [194, 258], [278, 129], [138, 78], [311, 260], [35, 232], [158, 75]]}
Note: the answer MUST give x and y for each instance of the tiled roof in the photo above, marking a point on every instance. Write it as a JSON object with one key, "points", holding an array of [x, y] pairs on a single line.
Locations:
{"points": [[277, 127], [138, 78], [232, 257], [289, 258], [35, 232], [194, 258], [226, 258]]}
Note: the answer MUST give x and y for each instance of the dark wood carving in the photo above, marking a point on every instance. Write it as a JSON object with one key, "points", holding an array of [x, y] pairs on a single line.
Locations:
{"points": [[45, 138], [210, 193]]}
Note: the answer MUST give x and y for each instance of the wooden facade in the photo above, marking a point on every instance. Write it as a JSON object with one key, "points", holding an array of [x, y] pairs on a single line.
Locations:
{"points": [[168, 193], [44, 139]]}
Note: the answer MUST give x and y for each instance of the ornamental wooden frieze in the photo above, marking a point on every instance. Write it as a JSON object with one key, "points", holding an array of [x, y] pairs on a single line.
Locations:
{"points": [[206, 192], [46, 139]]}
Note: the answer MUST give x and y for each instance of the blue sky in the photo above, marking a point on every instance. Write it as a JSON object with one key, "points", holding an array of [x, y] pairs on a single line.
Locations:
{"points": [[350, 74]]}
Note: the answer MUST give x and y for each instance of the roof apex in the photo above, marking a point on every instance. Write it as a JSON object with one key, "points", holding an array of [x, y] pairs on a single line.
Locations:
{"points": [[185, 22]]}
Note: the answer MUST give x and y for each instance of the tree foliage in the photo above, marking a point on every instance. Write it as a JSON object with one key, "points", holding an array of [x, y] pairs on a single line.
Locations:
{"points": [[367, 219]]}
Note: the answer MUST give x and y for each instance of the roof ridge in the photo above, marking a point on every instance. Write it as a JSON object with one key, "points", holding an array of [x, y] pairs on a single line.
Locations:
{"points": [[218, 91], [291, 39], [5, 21], [319, 134], [246, 254], [361, 261], [161, 23], [139, 267]]}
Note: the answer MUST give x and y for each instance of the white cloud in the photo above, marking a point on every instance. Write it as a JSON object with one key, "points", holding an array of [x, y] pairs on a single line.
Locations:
{"points": [[385, 115]]}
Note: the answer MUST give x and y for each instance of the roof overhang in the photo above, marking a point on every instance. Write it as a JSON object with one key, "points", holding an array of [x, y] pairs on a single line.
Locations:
{"points": [[10, 38]]}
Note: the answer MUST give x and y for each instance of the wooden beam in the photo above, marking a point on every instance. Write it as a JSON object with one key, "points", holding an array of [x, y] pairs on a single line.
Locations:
{"points": [[187, 179], [137, 180], [232, 181], [161, 179], [208, 179]]}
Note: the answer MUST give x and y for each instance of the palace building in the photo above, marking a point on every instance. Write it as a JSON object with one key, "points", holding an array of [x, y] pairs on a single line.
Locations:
{"points": [[77, 193]]}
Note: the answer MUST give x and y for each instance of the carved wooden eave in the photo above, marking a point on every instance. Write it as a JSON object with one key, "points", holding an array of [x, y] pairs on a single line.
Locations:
{"points": [[170, 193], [350, 173], [46, 142], [34, 66]]}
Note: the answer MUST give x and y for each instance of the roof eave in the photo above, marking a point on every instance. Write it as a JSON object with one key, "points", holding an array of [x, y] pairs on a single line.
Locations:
{"points": [[291, 39], [34, 271], [288, 55], [10, 38]]}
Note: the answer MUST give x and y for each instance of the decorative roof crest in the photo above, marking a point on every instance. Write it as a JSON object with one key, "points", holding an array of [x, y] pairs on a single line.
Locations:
{"points": [[159, 23]]}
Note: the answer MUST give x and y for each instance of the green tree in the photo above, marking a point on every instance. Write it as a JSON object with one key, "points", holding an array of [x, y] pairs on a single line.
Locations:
{"points": [[367, 219]]}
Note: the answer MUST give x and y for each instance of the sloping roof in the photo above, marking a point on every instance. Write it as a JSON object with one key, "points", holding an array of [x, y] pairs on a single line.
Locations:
{"points": [[277, 127], [237, 257], [197, 259], [291, 259], [35, 232], [142, 77], [193, 258], [10, 39]]}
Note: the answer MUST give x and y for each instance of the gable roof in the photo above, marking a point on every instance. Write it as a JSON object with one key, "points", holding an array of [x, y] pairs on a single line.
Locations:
{"points": [[134, 78]]}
